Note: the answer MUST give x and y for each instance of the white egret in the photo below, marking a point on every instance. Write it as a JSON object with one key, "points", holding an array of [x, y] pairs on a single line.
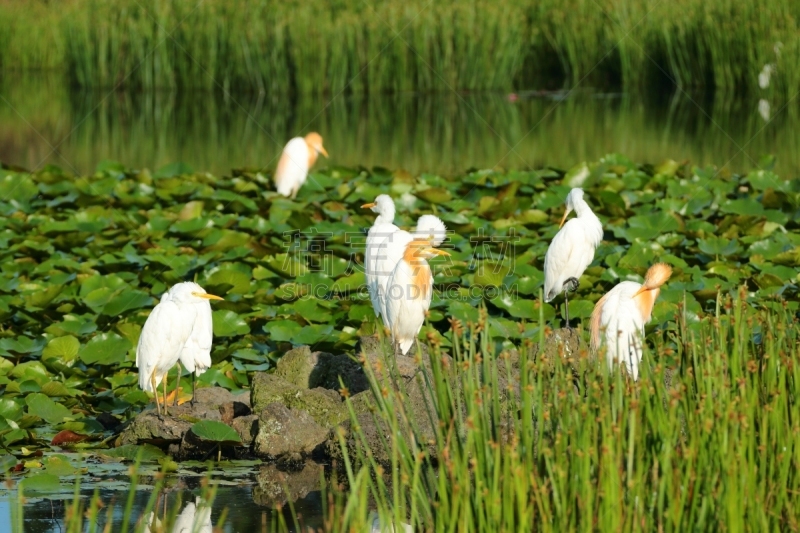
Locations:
{"points": [[392, 248], [196, 353], [178, 328], [622, 314], [409, 292], [380, 230], [299, 155], [571, 250]]}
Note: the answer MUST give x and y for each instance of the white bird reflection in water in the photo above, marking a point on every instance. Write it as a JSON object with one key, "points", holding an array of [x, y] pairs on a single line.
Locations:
{"points": [[194, 518]]}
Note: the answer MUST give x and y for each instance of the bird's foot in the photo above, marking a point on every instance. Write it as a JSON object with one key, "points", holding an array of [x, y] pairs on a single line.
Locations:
{"points": [[571, 285]]}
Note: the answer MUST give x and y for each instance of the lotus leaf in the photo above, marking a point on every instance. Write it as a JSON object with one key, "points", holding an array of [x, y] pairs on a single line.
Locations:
{"points": [[46, 409], [105, 349], [211, 430], [227, 323]]}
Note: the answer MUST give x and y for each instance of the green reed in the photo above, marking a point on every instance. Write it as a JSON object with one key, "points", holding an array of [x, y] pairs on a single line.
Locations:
{"points": [[324, 46], [706, 440]]}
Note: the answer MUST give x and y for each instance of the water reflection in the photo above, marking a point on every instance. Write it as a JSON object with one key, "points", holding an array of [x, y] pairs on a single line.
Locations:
{"points": [[42, 122], [254, 504], [194, 518]]}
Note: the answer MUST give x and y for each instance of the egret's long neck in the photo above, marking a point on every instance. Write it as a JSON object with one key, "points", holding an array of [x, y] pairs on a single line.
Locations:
{"points": [[386, 216], [645, 302], [312, 155], [420, 271], [582, 208]]}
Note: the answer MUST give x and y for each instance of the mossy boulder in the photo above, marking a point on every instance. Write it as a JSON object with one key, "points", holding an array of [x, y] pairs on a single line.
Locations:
{"points": [[324, 406], [310, 370], [150, 427], [287, 432]]}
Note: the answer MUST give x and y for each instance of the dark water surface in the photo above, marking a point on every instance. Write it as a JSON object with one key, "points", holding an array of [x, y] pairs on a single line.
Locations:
{"points": [[251, 503], [42, 122]]}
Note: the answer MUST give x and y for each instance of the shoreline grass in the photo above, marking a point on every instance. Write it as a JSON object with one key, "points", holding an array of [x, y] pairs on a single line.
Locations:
{"points": [[329, 47], [706, 440]]}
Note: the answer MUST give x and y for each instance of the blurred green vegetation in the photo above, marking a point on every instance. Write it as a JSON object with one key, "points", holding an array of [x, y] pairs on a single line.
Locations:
{"points": [[328, 46]]}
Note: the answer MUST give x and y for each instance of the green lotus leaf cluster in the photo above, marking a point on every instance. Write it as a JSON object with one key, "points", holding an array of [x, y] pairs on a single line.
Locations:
{"points": [[83, 260]]}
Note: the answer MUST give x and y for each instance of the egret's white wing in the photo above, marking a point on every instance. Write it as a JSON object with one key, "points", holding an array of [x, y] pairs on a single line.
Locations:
{"points": [[389, 253], [570, 252], [623, 327], [292, 168], [196, 353], [375, 250], [406, 305], [164, 334]]}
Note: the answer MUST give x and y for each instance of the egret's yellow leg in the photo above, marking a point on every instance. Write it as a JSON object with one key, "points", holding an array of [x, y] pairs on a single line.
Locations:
{"points": [[165, 393], [155, 390], [177, 385]]}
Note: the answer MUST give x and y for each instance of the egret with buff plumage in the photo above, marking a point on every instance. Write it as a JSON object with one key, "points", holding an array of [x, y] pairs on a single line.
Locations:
{"points": [[619, 318], [298, 156]]}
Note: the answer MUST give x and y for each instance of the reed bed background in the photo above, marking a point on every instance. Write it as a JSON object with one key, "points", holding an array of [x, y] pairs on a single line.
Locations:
{"points": [[329, 46], [705, 441]]}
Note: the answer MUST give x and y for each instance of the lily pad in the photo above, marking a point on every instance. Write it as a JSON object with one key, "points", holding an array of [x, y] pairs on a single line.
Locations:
{"points": [[214, 431]]}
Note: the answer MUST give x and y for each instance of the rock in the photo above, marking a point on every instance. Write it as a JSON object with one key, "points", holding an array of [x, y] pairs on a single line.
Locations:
{"points": [[291, 462], [310, 370], [247, 428], [193, 447], [415, 401], [333, 367], [216, 396], [193, 413], [210, 404], [563, 343], [373, 345], [383, 363], [277, 487], [297, 367], [231, 410], [283, 431], [323, 407], [150, 427]]}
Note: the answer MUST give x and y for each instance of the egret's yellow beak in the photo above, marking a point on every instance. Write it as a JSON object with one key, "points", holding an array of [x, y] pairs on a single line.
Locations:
{"points": [[322, 151], [207, 296], [369, 206], [564, 218], [437, 251]]}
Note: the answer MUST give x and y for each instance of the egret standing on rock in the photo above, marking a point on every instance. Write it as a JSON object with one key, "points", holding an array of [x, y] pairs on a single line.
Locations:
{"points": [[621, 315], [392, 248], [380, 230], [178, 328], [299, 155], [571, 250], [409, 292]]}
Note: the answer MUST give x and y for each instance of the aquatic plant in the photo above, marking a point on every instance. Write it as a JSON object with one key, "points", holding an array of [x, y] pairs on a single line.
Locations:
{"points": [[705, 440]]}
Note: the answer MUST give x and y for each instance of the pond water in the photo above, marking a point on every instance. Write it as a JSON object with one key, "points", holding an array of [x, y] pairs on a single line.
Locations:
{"points": [[42, 122], [245, 501]]}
